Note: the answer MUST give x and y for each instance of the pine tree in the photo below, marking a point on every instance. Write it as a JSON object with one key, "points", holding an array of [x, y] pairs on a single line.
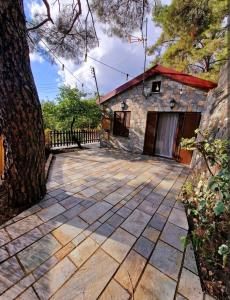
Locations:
{"points": [[194, 36]]}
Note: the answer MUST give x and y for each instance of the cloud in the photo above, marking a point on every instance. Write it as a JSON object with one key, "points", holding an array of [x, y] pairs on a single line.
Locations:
{"points": [[122, 55], [36, 57]]}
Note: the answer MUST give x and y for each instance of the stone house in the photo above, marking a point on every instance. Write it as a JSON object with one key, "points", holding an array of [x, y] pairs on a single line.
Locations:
{"points": [[152, 112]]}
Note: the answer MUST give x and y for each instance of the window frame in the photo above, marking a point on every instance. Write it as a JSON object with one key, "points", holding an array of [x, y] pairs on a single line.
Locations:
{"points": [[156, 82]]}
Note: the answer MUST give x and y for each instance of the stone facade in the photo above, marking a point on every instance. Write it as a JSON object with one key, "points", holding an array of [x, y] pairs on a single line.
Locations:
{"points": [[190, 100]]}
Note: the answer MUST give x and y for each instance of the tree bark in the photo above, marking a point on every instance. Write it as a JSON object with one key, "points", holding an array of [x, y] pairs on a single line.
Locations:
{"points": [[20, 111]]}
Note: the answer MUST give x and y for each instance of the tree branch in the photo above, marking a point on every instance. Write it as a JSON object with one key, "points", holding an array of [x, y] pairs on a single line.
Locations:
{"points": [[197, 66], [45, 20], [76, 16], [91, 14]]}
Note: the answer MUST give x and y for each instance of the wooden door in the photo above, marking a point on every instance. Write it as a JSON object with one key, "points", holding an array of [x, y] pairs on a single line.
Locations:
{"points": [[188, 123], [150, 132]]}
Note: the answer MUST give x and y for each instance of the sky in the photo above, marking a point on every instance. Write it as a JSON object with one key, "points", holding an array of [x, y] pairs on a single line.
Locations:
{"points": [[122, 55]]}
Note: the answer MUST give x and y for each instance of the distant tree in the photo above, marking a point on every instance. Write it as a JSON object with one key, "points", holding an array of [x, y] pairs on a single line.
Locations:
{"points": [[49, 114], [70, 34], [70, 110], [69, 106], [194, 36]]}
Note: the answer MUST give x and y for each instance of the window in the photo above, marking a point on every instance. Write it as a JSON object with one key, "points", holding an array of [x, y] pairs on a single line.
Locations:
{"points": [[121, 123], [156, 87]]}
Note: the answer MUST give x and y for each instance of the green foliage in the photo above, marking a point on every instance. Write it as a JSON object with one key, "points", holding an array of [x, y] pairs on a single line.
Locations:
{"points": [[194, 36], [49, 114], [208, 199], [71, 109]]}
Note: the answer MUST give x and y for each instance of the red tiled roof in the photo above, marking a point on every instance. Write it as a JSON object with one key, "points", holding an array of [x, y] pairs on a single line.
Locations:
{"points": [[170, 73]]}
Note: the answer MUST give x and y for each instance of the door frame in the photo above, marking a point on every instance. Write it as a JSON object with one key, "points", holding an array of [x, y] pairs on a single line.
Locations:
{"points": [[178, 135]]}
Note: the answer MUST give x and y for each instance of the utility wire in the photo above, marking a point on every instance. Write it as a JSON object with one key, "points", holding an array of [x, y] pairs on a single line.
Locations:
{"points": [[97, 60]]}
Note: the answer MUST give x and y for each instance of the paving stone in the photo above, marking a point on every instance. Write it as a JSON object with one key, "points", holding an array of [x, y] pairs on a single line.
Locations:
{"points": [[56, 192], [88, 202], [23, 226], [158, 221], [37, 253], [169, 200], [114, 198], [64, 251], [18, 288], [106, 216], [119, 244], [148, 207], [47, 285], [29, 294], [45, 267], [74, 211], [114, 292], [32, 210], [78, 239], [124, 212], [101, 234], [24, 241], [155, 285], [89, 192], [89, 230], [3, 254], [115, 220], [190, 260], [172, 235], [52, 224], [51, 212], [4, 237], [189, 285], [179, 218], [68, 231], [99, 196], [125, 190], [164, 210], [130, 271], [10, 273], [151, 233], [94, 212], [71, 201], [136, 222], [179, 205], [90, 281], [167, 259], [144, 247], [63, 196], [49, 202], [80, 254]]}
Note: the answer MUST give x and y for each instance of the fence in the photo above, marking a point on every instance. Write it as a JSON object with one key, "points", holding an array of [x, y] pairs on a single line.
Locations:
{"points": [[68, 138]]}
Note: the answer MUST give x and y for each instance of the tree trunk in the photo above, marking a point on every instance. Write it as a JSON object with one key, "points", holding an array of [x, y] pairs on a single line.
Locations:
{"points": [[20, 111]]}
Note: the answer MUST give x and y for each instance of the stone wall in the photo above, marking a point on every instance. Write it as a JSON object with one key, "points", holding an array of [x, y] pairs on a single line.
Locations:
{"points": [[216, 115], [191, 99]]}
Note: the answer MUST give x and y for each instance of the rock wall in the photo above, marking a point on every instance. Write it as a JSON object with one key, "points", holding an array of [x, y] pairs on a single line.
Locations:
{"points": [[216, 114]]}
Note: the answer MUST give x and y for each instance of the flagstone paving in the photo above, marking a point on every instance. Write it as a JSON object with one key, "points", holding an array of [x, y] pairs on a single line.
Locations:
{"points": [[109, 227]]}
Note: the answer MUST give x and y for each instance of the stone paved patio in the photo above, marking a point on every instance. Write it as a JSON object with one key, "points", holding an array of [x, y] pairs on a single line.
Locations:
{"points": [[108, 228]]}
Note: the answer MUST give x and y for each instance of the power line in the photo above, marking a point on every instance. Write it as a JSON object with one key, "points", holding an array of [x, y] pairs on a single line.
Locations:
{"points": [[111, 67], [97, 60]]}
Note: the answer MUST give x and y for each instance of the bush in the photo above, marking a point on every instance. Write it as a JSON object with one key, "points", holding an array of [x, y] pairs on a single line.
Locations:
{"points": [[207, 199]]}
